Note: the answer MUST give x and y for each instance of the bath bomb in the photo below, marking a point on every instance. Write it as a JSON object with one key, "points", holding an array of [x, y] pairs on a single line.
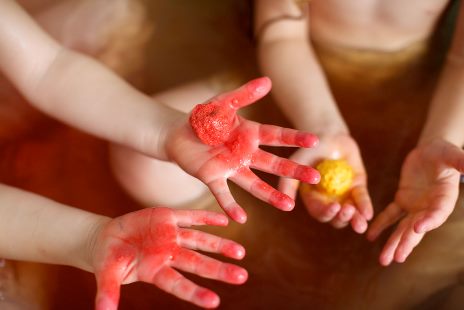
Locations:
{"points": [[336, 177]]}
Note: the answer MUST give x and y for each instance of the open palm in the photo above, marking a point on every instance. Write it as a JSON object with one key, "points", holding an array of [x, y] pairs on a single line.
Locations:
{"points": [[148, 244], [427, 194], [219, 145]]}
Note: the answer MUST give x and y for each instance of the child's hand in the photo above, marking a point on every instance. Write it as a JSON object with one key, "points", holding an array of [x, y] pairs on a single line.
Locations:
{"points": [[147, 245], [427, 194], [355, 207], [218, 145]]}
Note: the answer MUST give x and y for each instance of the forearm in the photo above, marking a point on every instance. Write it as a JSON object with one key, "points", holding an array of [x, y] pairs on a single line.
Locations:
{"points": [[88, 96], [77, 89], [33, 228], [299, 85], [445, 118]]}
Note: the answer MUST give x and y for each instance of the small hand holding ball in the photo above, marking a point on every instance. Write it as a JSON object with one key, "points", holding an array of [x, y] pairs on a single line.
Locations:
{"points": [[336, 193]]}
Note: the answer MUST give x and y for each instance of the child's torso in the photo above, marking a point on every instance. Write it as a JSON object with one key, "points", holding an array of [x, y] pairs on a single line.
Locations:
{"points": [[386, 25]]}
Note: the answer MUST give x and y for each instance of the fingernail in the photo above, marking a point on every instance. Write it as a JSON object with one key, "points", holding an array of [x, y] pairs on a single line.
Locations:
{"points": [[239, 216], [207, 298]]}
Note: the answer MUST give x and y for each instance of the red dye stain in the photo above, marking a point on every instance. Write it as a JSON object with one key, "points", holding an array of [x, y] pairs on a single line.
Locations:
{"points": [[208, 298], [286, 168], [233, 250], [144, 245], [216, 220], [234, 274], [281, 201], [307, 175], [212, 122], [236, 142]]}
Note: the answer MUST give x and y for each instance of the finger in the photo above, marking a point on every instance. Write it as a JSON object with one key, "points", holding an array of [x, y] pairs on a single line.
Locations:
{"points": [[187, 218], [438, 212], [198, 240], [363, 201], [271, 163], [319, 207], [409, 240], [386, 218], [388, 251], [222, 193], [247, 180], [207, 267], [108, 291], [289, 187], [358, 223], [279, 136], [344, 216], [454, 157], [171, 281], [246, 94]]}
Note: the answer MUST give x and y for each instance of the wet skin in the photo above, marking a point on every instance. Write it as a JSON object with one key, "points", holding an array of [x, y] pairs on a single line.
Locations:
{"points": [[147, 245], [225, 146]]}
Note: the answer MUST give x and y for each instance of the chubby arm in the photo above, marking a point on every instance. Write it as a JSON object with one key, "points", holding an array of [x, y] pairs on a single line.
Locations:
{"points": [[301, 90], [33, 228], [145, 245], [76, 89], [446, 115], [429, 182], [286, 56]]}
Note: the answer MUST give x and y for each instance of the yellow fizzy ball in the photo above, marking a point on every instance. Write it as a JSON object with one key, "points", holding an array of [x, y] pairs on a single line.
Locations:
{"points": [[336, 176]]}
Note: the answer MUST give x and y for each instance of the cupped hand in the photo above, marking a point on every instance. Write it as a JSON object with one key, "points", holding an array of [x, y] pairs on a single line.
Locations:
{"points": [[150, 244], [427, 194], [355, 207], [217, 145]]}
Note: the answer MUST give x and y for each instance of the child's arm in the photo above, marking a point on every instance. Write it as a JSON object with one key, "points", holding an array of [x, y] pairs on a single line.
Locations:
{"points": [[82, 93], [286, 56], [141, 246], [77, 89], [430, 176], [445, 118], [301, 90], [153, 245], [33, 228]]}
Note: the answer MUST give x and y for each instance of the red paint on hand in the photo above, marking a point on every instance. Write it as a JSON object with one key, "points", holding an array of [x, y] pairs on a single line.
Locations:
{"points": [[234, 150], [147, 245], [212, 123]]}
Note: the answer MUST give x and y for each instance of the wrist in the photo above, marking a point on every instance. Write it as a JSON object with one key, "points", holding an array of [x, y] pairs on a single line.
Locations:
{"points": [[86, 253], [164, 121], [167, 134], [427, 138]]}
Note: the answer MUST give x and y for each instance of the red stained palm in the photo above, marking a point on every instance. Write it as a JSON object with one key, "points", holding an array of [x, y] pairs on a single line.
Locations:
{"points": [[147, 245], [219, 145]]}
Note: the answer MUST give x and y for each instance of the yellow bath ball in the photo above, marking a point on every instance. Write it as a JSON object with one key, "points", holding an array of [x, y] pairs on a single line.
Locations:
{"points": [[336, 176]]}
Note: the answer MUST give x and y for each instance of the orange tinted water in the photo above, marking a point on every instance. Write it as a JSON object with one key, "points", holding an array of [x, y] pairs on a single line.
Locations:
{"points": [[293, 261]]}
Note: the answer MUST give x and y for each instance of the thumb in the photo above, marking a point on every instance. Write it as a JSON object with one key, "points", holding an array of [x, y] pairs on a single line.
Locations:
{"points": [[288, 186], [108, 291]]}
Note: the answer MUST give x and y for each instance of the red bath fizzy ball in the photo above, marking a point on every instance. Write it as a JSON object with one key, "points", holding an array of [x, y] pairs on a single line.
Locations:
{"points": [[212, 123]]}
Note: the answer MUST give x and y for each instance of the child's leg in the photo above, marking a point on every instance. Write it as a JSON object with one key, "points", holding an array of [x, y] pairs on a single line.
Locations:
{"points": [[153, 182]]}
